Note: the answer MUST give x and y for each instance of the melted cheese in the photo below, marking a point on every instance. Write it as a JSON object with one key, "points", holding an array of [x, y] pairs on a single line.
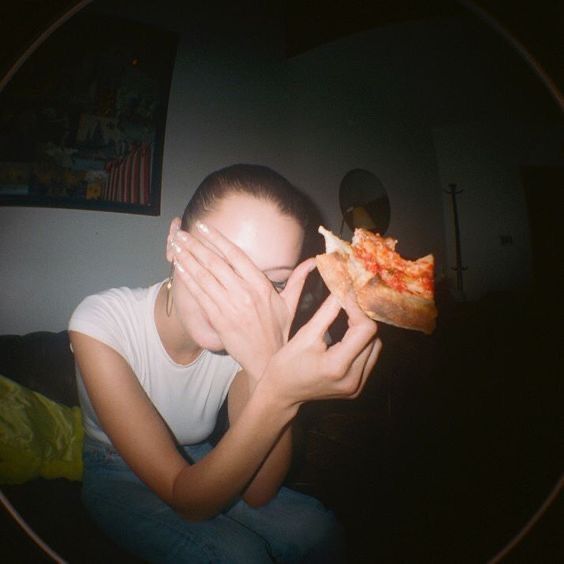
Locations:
{"points": [[379, 257]]}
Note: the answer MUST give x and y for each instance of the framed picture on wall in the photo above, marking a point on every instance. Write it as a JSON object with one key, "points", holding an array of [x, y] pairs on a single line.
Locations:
{"points": [[82, 121]]}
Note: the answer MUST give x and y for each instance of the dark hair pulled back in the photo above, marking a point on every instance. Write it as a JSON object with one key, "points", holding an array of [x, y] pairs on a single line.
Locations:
{"points": [[255, 180]]}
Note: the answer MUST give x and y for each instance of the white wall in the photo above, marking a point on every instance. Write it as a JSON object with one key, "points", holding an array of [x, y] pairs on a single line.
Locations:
{"points": [[52, 258], [377, 100], [484, 160], [222, 109], [351, 107]]}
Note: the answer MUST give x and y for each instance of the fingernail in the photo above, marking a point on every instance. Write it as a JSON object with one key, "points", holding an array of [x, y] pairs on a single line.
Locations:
{"points": [[178, 266], [176, 247], [181, 235], [202, 227]]}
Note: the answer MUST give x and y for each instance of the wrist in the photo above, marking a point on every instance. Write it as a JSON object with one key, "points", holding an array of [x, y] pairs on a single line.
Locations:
{"points": [[255, 372], [256, 365], [256, 368], [269, 396]]}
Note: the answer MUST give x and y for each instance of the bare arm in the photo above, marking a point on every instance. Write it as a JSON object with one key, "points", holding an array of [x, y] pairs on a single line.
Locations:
{"points": [[273, 470], [236, 295], [197, 491], [303, 370]]}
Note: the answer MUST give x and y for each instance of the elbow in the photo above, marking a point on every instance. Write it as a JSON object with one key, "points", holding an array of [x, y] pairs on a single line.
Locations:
{"points": [[196, 516], [257, 503], [200, 510], [196, 513], [191, 505], [257, 500]]}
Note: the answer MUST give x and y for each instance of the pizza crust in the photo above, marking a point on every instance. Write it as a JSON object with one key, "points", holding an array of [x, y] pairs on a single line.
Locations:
{"points": [[343, 274], [333, 268], [401, 310]]}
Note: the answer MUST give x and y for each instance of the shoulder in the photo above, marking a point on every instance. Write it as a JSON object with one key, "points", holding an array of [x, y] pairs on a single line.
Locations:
{"points": [[110, 315], [117, 295], [112, 301]]}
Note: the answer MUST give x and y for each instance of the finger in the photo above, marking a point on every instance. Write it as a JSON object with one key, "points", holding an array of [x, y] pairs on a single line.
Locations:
{"points": [[174, 227], [295, 285], [234, 255], [374, 356], [321, 320], [355, 377], [373, 349], [349, 379], [219, 286], [353, 310], [356, 338], [191, 282], [186, 245]]}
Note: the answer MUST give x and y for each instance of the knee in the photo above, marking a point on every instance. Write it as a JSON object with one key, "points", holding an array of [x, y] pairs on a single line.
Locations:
{"points": [[329, 545], [318, 538]]}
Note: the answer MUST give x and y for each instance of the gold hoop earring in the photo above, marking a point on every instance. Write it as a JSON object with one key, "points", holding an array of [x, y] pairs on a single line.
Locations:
{"points": [[169, 297]]}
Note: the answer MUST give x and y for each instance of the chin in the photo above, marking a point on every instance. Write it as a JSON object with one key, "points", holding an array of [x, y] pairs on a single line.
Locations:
{"points": [[215, 347], [210, 341]]}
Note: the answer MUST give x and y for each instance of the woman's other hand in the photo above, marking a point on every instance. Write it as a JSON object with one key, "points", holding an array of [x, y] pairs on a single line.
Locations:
{"points": [[306, 368]]}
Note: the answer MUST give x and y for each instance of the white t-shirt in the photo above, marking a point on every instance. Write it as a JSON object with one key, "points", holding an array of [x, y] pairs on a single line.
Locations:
{"points": [[188, 397]]}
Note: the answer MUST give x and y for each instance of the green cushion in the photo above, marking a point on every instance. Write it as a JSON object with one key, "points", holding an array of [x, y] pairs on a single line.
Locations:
{"points": [[38, 436]]}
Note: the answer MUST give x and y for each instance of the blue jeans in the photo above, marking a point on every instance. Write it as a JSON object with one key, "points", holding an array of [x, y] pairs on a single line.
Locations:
{"points": [[293, 527]]}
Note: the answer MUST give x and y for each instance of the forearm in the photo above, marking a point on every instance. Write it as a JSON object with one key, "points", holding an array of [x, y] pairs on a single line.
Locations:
{"points": [[272, 472], [204, 489]]}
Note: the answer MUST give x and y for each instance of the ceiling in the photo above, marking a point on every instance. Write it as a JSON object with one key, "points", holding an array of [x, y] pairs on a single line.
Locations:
{"points": [[313, 23], [537, 25]]}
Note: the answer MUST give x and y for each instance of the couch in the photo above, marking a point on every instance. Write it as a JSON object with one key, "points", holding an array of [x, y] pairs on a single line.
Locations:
{"points": [[329, 436], [42, 361], [450, 449]]}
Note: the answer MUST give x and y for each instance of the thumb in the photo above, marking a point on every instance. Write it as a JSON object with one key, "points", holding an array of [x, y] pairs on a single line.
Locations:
{"points": [[291, 294]]}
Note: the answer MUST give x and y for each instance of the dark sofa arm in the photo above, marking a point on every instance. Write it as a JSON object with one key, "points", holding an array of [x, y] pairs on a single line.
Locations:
{"points": [[41, 361]]}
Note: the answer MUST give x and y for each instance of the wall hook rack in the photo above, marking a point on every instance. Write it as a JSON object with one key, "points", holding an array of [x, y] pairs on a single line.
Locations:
{"points": [[452, 190]]}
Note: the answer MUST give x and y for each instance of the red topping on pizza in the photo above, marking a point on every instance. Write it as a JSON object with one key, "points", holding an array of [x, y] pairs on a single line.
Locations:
{"points": [[387, 287], [378, 256]]}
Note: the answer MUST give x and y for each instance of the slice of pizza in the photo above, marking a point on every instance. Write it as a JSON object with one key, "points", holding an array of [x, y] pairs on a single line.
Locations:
{"points": [[387, 287]]}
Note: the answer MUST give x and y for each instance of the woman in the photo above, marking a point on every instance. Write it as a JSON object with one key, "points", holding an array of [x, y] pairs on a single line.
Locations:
{"points": [[156, 364]]}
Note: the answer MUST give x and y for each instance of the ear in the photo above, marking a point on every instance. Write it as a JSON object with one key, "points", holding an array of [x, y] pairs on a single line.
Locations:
{"points": [[174, 227]]}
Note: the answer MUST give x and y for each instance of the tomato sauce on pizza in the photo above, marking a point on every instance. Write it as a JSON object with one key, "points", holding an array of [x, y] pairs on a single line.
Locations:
{"points": [[387, 287], [379, 257]]}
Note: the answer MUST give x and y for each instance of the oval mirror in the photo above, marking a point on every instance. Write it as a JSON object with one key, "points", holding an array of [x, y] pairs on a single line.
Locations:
{"points": [[364, 201]]}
